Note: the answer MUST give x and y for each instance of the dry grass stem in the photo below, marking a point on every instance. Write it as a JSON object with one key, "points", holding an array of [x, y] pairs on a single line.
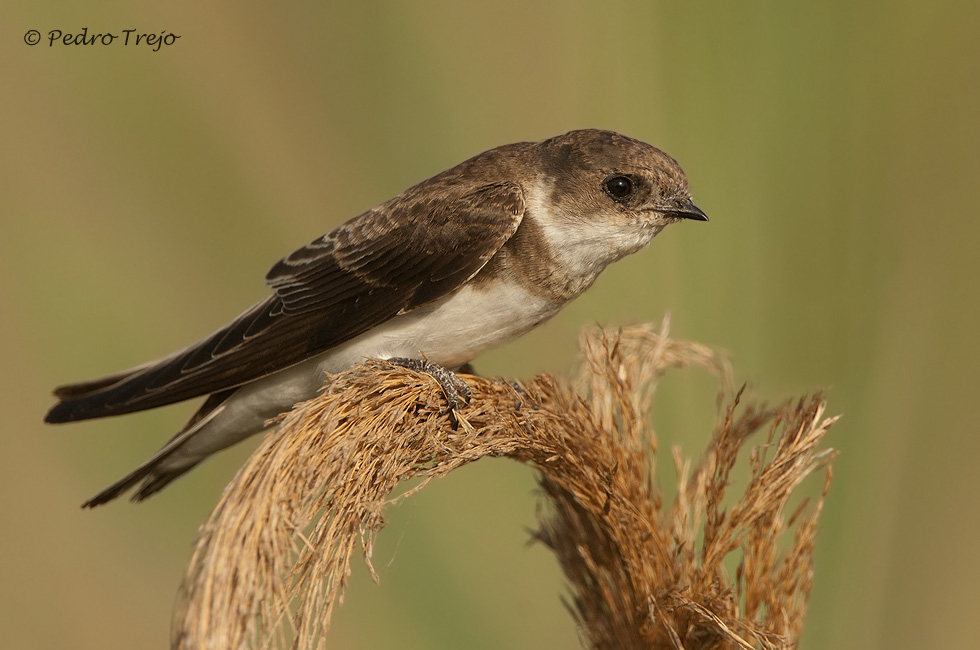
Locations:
{"points": [[274, 558]]}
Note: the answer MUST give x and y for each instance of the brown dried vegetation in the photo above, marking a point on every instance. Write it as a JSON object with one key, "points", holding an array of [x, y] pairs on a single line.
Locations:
{"points": [[273, 560]]}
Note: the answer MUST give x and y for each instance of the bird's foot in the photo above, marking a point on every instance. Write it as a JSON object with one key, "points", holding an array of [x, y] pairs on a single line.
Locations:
{"points": [[520, 394], [456, 390]]}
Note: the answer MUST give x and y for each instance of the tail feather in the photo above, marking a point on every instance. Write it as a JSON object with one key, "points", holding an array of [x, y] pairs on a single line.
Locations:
{"points": [[85, 399], [85, 388], [154, 478], [152, 481]]}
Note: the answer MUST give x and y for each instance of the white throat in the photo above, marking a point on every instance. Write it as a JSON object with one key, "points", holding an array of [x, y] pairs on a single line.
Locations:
{"points": [[586, 245]]}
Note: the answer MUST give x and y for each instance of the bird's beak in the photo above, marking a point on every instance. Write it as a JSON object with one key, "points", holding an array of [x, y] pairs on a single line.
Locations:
{"points": [[684, 209]]}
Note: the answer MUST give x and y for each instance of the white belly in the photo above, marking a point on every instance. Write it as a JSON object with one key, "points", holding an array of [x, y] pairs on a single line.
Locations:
{"points": [[450, 332]]}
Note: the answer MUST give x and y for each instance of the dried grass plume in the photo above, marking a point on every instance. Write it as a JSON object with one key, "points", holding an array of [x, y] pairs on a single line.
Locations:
{"points": [[273, 560]]}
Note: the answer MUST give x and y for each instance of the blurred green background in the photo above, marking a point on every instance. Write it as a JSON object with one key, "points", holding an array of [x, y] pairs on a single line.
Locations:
{"points": [[835, 146]]}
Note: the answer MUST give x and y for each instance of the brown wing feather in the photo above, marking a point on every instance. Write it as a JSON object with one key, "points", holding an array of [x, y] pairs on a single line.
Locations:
{"points": [[412, 250]]}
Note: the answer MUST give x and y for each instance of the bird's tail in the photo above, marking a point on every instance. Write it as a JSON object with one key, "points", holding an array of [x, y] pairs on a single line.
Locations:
{"points": [[85, 388], [153, 482], [154, 477], [87, 399]]}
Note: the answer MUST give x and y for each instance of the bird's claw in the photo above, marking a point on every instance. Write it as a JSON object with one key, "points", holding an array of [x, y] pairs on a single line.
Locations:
{"points": [[458, 393]]}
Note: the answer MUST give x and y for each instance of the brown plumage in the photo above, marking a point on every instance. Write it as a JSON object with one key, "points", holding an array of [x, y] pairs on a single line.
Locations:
{"points": [[464, 261]]}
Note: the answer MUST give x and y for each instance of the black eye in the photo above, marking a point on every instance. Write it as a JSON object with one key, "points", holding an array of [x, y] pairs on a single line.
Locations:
{"points": [[619, 187]]}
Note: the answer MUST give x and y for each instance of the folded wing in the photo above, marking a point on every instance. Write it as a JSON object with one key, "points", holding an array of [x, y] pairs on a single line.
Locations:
{"points": [[403, 254]]}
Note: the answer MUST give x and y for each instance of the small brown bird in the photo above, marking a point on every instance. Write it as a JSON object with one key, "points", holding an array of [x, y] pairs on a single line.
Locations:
{"points": [[460, 263]]}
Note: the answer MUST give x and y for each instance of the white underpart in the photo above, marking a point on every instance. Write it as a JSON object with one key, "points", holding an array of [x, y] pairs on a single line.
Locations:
{"points": [[450, 332]]}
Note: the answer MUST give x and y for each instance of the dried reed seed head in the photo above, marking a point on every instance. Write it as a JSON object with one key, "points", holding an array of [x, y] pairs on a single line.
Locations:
{"points": [[274, 558]]}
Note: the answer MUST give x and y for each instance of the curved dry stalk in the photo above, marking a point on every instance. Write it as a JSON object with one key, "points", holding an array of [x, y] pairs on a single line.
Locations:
{"points": [[274, 558]]}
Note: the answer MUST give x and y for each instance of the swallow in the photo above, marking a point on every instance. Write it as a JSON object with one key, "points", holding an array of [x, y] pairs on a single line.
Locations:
{"points": [[458, 264]]}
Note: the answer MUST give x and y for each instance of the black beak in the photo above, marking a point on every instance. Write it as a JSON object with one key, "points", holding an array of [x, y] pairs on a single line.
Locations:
{"points": [[685, 209]]}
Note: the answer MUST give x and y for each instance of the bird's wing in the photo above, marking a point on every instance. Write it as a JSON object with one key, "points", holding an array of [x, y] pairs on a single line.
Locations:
{"points": [[410, 251]]}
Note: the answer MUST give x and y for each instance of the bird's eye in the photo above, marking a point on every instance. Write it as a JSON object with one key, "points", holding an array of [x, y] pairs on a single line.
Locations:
{"points": [[619, 187]]}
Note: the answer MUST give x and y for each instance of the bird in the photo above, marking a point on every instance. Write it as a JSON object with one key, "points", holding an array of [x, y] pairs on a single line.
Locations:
{"points": [[455, 265]]}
